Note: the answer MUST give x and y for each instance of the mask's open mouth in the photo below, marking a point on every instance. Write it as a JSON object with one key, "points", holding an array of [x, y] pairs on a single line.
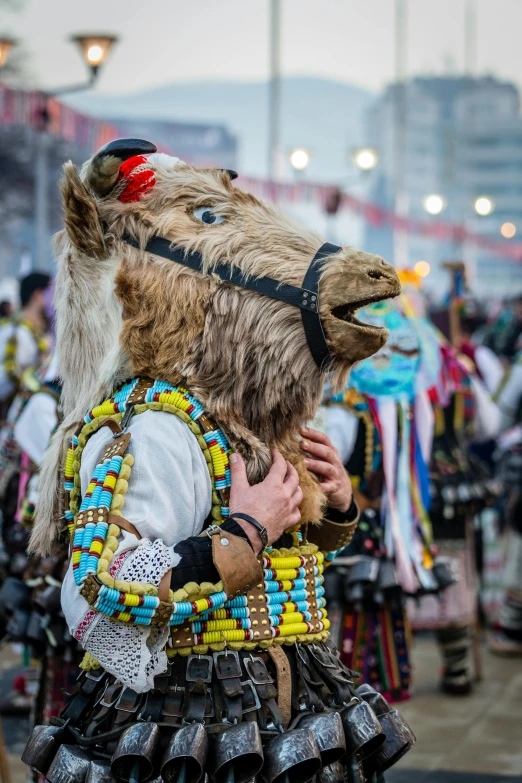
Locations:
{"points": [[346, 313]]}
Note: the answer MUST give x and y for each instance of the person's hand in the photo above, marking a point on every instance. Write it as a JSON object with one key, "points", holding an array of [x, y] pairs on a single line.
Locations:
{"points": [[326, 463], [274, 502]]}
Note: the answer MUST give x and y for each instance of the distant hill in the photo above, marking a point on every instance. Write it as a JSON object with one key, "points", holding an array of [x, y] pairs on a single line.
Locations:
{"points": [[322, 115]]}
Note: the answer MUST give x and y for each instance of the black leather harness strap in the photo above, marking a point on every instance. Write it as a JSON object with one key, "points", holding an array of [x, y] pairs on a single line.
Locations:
{"points": [[306, 297]]}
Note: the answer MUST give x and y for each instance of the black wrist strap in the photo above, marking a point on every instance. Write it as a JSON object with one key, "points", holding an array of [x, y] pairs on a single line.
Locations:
{"points": [[258, 526], [343, 516]]}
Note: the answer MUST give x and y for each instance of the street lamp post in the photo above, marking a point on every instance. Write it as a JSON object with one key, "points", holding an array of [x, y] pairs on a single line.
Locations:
{"points": [[94, 48]]}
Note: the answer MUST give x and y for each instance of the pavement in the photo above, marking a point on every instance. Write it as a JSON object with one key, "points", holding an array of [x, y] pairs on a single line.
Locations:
{"points": [[470, 739]]}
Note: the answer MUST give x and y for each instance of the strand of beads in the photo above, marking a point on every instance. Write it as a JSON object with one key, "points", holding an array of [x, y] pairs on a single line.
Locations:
{"points": [[89, 538]]}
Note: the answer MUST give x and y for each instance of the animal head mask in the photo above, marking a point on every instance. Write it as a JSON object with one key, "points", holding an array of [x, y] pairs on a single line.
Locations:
{"points": [[123, 309]]}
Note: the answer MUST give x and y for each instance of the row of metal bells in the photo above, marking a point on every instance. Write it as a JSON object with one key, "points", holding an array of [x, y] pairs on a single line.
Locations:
{"points": [[366, 730]]}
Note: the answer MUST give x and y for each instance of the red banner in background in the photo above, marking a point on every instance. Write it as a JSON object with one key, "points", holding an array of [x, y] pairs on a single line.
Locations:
{"points": [[20, 107]]}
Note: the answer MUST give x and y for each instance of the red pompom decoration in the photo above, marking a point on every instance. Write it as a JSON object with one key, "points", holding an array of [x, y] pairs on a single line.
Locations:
{"points": [[138, 182]]}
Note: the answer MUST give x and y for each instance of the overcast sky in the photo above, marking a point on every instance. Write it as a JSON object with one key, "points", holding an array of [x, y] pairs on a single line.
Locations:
{"points": [[164, 41]]}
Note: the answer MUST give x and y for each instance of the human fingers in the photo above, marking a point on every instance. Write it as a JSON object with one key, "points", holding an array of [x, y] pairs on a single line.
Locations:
{"points": [[317, 436], [328, 487], [296, 498], [291, 481], [278, 468], [321, 468], [238, 472], [325, 453]]}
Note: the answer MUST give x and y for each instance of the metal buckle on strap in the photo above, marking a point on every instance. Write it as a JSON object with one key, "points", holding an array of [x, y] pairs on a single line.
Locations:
{"points": [[127, 416], [257, 671], [250, 700], [95, 674], [228, 664], [115, 696], [173, 700], [199, 667], [130, 699], [323, 658]]}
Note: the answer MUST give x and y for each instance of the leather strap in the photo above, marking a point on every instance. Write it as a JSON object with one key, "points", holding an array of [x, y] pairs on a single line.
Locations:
{"points": [[124, 524], [306, 297], [331, 536], [237, 566], [284, 682], [312, 325]]}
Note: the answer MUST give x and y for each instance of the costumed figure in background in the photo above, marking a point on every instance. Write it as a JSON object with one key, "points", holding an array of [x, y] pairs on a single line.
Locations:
{"points": [[29, 614], [24, 346], [24, 341], [459, 484], [195, 325], [32, 604], [382, 428]]}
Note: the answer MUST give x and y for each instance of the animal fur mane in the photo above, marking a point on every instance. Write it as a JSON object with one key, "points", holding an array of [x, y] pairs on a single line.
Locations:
{"points": [[122, 312]]}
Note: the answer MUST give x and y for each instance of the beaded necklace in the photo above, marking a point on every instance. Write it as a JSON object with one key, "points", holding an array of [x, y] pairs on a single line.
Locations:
{"points": [[289, 604]]}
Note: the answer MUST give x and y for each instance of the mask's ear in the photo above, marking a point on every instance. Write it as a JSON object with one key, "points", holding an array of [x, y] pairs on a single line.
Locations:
{"points": [[100, 174], [81, 218], [98, 177]]}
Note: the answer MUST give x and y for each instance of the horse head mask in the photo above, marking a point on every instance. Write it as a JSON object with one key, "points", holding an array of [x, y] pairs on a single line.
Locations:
{"points": [[172, 272]]}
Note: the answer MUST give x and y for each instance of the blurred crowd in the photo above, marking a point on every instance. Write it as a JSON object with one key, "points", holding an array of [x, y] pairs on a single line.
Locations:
{"points": [[430, 431]]}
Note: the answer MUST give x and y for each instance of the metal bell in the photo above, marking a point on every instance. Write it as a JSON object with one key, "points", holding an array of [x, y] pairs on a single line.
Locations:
{"points": [[333, 773], [399, 740], [375, 699], [363, 732], [70, 765], [294, 755], [189, 746], [42, 747], [99, 773], [327, 728], [238, 748], [136, 752]]}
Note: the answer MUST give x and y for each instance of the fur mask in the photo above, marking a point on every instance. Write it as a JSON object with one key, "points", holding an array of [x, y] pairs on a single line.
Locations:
{"points": [[123, 312]]}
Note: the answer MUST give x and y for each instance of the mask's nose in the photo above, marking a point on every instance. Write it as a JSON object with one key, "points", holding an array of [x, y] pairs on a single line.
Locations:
{"points": [[378, 269]]}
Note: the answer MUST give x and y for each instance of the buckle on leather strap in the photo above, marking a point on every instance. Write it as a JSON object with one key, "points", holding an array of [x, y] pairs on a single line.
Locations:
{"points": [[95, 674], [228, 664], [250, 700], [323, 659], [257, 671], [199, 668], [128, 701]]}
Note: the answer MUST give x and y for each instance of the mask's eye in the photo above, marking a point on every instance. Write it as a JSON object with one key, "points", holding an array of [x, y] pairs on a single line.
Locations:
{"points": [[208, 216]]}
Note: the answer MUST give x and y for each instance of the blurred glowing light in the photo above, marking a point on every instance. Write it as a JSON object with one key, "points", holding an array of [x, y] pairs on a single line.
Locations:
{"points": [[6, 44], [422, 268], [300, 159], [508, 230], [365, 158], [484, 206], [95, 48], [94, 54], [434, 204]]}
